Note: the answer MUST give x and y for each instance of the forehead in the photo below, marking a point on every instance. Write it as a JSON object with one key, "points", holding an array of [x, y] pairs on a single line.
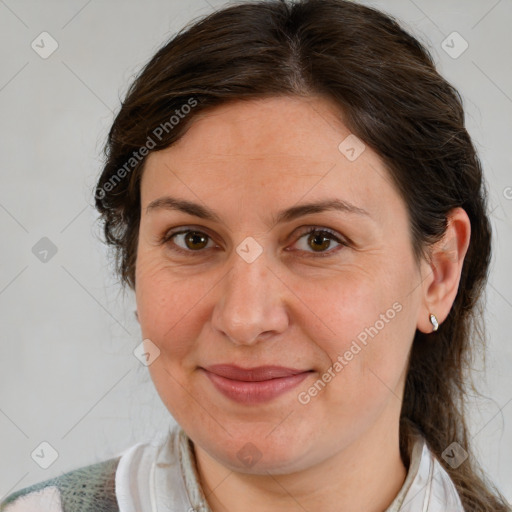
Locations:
{"points": [[287, 126], [288, 146]]}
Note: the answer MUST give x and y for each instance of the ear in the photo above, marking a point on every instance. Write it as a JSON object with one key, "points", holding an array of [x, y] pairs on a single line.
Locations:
{"points": [[441, 274]]}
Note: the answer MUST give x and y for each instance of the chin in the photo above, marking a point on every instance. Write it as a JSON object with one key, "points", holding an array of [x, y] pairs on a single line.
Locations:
{"points": [[260, 454]]}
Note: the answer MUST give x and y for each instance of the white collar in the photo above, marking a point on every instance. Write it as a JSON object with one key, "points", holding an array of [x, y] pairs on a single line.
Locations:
{"points": [[427, 487], [161, 476]]}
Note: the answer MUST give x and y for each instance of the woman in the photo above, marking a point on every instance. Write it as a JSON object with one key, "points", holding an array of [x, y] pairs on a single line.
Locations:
{"points": [[300, 211]]}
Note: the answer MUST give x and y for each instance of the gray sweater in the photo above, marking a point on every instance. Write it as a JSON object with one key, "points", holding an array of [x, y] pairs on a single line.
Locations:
{"points": [[87, 489]]}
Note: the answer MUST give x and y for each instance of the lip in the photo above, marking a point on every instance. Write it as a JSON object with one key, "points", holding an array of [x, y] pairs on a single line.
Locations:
{"points": [[254, 385]]}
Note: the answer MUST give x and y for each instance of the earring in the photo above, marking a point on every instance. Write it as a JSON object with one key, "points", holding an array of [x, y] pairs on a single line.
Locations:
{"points": [[434, 322]]}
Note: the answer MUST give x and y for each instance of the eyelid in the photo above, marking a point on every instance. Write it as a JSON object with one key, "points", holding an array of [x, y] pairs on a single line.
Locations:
{"points": [[169, 234], [303, 230], [334, 235]]}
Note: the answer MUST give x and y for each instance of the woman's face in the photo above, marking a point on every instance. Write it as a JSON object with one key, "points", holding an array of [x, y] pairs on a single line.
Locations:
{"points": [[253, 288]]}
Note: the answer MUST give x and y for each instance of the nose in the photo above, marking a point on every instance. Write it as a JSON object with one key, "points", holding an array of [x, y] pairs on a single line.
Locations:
{"points": [[252, 302]]}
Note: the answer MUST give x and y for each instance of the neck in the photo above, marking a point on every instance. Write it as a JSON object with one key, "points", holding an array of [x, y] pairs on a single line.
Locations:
{"points": [[366, 475]]}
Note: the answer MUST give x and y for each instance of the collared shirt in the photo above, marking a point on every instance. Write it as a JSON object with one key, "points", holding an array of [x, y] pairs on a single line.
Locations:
{"points": [[161, 476], [164, 479]]}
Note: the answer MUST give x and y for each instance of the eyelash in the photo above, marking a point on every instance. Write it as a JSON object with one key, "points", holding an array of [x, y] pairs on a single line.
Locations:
{"points": [[167, 237]]}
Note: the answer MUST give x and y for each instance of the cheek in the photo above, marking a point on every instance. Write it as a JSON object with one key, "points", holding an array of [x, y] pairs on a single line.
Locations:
{"points": [[341, 309], [165, 304], [364, 327]]}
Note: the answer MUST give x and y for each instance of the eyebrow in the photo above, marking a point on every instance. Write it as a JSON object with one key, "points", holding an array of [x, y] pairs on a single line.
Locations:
{"points": [[287, 215]]}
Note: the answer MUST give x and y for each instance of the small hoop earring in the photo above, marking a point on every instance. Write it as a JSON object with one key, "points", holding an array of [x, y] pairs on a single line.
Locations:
{"points": [[434, 322]]}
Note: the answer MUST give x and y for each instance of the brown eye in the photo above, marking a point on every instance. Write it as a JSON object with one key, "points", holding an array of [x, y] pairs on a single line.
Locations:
{"points": [[317, 242], [187, 241], [195, 240]]}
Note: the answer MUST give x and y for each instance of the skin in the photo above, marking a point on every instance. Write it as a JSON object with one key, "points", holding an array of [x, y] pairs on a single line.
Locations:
{"points": [[290, 306]]}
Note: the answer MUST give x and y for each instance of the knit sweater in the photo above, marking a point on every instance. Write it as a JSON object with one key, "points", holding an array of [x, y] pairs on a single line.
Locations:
{"points": [[162, 476], [87, 489]]}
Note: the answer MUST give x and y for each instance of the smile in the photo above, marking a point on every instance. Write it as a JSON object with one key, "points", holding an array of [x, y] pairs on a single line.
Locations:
{"points": [[254, 385]]}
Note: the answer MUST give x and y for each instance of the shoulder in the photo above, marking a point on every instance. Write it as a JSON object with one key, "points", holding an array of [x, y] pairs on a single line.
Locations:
{"points": [[87, 489]]}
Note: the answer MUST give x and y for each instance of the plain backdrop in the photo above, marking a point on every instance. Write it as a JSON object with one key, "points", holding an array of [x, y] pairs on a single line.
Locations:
{"points": [[68, 376]]}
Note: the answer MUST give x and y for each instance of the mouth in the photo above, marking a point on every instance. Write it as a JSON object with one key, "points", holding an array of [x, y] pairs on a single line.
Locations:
{"points": [[254, 385]]}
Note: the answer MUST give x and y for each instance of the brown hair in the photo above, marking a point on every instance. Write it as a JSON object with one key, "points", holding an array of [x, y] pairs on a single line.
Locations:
{"points": [[392, 97]]}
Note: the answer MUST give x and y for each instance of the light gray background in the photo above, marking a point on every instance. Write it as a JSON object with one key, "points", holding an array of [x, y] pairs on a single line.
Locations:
{"points": [[67, 372]]}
